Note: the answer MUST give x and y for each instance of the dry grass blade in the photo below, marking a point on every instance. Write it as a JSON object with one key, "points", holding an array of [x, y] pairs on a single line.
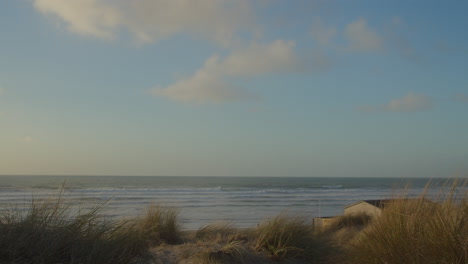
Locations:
{"points": [[49, 231], [418, 230], [159, 224], [285, 236]]}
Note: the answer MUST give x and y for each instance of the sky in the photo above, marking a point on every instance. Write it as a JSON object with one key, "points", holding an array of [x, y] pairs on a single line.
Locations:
{"points": [[310, 88]]}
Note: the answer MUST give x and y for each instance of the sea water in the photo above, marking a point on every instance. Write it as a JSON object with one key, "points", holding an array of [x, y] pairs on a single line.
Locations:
{"points": [[243, 201]]}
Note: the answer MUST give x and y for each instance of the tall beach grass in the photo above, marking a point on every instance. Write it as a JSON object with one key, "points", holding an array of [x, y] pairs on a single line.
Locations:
{"points": [[290, 237], [421, 230], [50, 231]]}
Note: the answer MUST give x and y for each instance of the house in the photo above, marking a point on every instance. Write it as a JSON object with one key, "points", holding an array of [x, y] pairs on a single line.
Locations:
{"points": [[372, 208], [369, 207]]}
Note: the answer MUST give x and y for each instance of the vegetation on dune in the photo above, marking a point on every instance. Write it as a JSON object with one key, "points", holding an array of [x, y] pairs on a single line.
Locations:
{"points": [[418, 230], [357, 221], [288, 237], [50, 231], [159, 224], [232, 252]]}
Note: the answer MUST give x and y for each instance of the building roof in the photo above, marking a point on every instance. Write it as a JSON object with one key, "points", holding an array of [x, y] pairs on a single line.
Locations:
{"points": [[380, 203], [376, 203]]}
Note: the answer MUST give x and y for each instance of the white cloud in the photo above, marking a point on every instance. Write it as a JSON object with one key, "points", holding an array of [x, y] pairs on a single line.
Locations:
{"points": [[210, 84], [203, 87], [411, 102], [152, 20], [322, 34], [362, 38], [461, 97], [87, 17], [259, 59]]}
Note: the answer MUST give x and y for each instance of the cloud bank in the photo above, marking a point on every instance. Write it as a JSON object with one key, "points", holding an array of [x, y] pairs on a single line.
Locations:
{"points": [[411, 102], [223, 22], [151, 20], [210, 84]]}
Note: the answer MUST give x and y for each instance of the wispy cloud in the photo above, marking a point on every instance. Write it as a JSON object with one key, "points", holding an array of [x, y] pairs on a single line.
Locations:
{"points": [[359, 36], [257, 59], [362, 38], [211, 82], [152, 20], [204, 87], [87, 17], [411, 102]]}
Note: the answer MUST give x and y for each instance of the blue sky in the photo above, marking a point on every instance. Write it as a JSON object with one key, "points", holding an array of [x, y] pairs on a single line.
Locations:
{"points": [[234, 88]]}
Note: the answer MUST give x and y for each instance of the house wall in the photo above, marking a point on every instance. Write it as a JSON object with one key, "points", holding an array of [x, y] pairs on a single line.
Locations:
{"points": [[363, 207]]}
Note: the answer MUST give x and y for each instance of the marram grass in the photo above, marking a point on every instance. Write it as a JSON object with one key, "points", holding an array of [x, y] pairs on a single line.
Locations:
{"points": [[49, 231], [289, 237], [420, 230]]}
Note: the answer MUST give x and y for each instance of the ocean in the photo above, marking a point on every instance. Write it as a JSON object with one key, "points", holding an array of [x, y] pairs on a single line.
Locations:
{"points": [[243, 201]]}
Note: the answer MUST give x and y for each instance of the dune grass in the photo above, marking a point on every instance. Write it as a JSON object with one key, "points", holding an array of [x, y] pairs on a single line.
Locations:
{"points": [[289, 237], [50, 231], [357, 221], [417, 231], [231, 252], [159, 224]]}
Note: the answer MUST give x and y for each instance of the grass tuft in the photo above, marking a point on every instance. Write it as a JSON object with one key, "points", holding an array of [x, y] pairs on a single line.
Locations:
{"points": [[286, 237], [418, 231], [159, 224], [357, 221], [49, 231], [232, 252]]}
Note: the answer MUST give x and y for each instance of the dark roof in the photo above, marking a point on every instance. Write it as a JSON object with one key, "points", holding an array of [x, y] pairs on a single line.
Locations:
{"points": [[379, 203], [376, 203]]}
